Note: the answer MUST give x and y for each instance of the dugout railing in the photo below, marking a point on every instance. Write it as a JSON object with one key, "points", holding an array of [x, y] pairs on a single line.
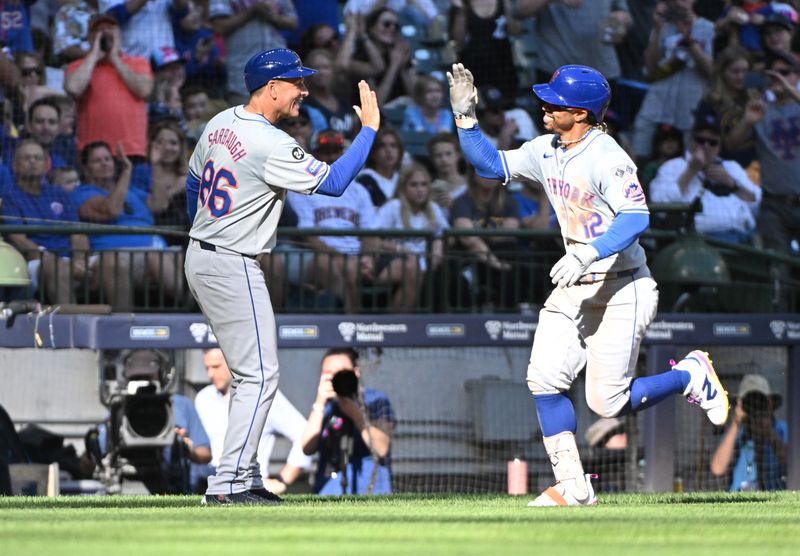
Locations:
{"points": [[741, 278]]}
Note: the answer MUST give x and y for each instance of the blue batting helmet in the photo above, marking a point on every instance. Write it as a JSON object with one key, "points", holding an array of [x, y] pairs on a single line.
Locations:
{"points": [[577, 87], [277, 63]]}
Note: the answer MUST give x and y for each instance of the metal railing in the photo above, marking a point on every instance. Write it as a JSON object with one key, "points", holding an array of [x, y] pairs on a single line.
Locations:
{"points": [[302, 281]]}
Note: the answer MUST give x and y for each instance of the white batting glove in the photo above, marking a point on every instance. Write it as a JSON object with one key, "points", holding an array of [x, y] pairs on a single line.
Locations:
{"points": [[463, 94], [573, 265]]}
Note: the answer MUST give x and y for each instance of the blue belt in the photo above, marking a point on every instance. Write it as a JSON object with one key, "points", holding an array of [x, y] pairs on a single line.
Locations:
{"points": [[205, 246]]}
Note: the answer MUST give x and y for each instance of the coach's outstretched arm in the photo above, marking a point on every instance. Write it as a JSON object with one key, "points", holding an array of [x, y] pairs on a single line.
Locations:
{"points": [[343, 171], [477, 149]]}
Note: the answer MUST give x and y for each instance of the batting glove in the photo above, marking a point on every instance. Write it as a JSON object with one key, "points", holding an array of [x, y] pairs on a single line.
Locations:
{"points": [[463, 94], [569, 268]]}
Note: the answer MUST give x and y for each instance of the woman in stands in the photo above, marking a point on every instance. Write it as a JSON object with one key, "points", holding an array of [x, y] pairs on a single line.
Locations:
{"points": [[426, 113], [324, 95], [444, 153], [382, 169], [106, 197]]}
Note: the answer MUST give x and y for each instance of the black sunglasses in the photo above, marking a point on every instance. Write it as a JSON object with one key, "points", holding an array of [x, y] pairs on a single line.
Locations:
{"points": [[706, 141], [30, 71], [784, 71], [389, 24]]}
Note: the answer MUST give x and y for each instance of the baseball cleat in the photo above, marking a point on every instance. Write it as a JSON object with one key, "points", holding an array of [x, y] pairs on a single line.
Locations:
{"points": [[560, 495], [267, 496], [246, 498], [704, 388]]}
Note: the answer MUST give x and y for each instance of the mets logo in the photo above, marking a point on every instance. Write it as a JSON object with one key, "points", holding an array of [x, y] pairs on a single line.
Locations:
{"points": [[297, 153], [314, 166], [633, 192]]}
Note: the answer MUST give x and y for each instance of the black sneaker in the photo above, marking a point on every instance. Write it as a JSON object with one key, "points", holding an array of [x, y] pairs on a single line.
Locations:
{"points": [[266, 496], [245, 498]]}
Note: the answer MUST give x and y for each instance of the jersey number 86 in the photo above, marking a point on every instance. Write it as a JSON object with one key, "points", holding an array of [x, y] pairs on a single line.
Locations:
{"points": [[215, 190]]}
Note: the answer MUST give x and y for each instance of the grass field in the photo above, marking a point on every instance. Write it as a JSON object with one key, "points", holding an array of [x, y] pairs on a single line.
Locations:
{"points": [[693, 524]]}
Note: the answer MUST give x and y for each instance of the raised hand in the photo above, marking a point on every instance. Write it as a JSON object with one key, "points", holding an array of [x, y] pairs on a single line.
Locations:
{"points": [[368, 112], [463, 94]]}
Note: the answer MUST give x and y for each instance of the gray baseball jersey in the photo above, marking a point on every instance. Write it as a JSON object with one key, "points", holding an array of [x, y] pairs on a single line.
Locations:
{"points": [[598, 325], [588, 185], [245, 166]]}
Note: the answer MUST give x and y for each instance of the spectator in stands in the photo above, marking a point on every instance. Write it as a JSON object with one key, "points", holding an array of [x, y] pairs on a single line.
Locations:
{"points": [[364, 416], [111, 89], [106, 197], [163, 178], [485, 206], [534, 208], [342, 263], [212, 404], [754, 446], [66, 177], [667, 144], [194, 41], [168, 78], [31, 200], [729, 199], [412, 209], [777, 30], [678, 62], [324, 96], [32, 83], [71, 30], [727, 97], [197, 110], [444, 153], [64, 143], [319, 36], [249, 27], [15, 33], [482, 31], [44, 118], [372, 49], [772, 124], [379, 177], [502, 131], [577, 32], [426, 113], [146, 26], [420, 12], [745, 23]]}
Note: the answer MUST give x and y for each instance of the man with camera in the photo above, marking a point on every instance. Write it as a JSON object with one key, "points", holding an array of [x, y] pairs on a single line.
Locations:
{"points": [[351, 428], [151, 431], [111, 90], [755, 441], [730, 200]]}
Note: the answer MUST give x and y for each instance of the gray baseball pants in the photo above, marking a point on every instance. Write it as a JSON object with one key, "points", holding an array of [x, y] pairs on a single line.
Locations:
{"points": [[233, 296]]}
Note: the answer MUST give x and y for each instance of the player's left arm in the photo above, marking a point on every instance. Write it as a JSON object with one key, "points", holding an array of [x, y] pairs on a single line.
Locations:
{"points": [[625, 196], [621, 189]]}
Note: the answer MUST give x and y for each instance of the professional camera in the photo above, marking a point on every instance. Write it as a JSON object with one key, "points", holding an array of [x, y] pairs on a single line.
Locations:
{"points": [[756, 405], [345, 384], [134, 387]]}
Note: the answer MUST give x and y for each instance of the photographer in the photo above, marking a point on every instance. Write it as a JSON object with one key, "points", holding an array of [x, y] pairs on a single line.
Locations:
{"points": [[730, 200], [111, 90], [351, 428], [755, 441], [161, 470]]}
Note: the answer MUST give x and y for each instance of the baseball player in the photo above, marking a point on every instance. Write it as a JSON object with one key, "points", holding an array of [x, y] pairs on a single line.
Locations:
{"points": [[605, 297], [239, 174]]}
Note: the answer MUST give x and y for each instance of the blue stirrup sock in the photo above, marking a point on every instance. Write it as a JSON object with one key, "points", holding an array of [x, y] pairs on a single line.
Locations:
{"points": [[556, 414], [649, 390]]}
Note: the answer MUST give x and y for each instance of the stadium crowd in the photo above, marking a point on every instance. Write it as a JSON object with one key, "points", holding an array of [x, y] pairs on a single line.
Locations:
{"points": [[102, 103]]}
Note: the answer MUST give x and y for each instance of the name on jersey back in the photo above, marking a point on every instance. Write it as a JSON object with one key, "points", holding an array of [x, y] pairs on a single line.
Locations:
{"points": [[228, 139]]}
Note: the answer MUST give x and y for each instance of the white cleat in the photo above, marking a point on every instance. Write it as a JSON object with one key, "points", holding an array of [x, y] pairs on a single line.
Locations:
{"points": [[560, 495], [704, 388]]}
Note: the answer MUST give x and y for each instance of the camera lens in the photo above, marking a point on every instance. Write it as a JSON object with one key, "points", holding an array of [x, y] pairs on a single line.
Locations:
{"points": [[345, 384]]}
